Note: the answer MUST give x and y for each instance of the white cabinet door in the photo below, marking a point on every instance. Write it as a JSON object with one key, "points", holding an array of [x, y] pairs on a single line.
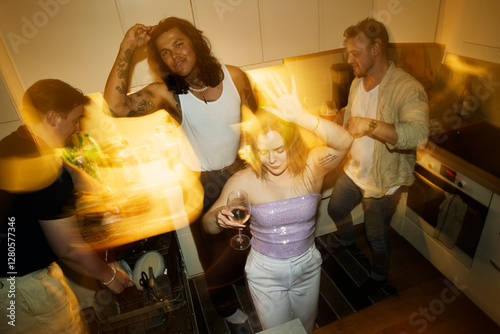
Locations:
{"points": [[289, 28], [148, 12], [484, 279], [75, 41], [9, 112], [408, 21], [484, 284], [335, 16], [470, 28], [233, 28], [481, 38]]}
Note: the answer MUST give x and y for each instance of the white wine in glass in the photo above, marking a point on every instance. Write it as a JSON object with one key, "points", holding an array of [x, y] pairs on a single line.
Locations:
{"points": [[239, 205]]}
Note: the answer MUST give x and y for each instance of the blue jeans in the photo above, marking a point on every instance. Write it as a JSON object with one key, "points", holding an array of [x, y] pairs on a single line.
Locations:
{"points": [[378, 214]]}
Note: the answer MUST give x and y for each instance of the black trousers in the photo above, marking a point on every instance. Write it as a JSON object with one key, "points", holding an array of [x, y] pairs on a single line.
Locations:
{"points": [[222, 264]]}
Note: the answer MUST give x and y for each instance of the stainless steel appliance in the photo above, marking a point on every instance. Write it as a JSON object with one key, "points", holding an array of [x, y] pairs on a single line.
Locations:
{"points": [[429, 203], [457, 174]]}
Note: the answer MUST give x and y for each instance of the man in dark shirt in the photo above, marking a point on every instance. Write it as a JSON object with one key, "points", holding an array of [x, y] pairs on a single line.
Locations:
{"points": [[37, 223]]}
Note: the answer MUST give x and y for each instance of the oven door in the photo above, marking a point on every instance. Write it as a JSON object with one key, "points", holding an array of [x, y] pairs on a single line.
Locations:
{"points": [[427, 198]]}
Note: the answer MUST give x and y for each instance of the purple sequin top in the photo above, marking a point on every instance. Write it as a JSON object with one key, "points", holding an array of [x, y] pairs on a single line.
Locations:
{"points": [[284, 229]]}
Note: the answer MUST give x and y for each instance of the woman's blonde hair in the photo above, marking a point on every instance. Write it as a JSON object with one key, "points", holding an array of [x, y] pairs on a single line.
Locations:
{"points": [[296, 148]]}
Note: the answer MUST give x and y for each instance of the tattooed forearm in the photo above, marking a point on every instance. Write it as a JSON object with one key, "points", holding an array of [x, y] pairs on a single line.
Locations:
{"points": [[323, 161], [123, 88], [123, 71], [124, 64]]}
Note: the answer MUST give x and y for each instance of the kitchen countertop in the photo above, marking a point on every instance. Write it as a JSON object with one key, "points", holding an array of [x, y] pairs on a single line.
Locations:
{"points": [[460, 141]]}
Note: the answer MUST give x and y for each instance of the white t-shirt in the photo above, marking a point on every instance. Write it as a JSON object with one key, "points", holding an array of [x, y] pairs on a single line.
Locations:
{"points": [[364, 104]]}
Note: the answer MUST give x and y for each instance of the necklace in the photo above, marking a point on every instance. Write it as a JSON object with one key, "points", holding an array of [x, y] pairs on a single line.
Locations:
{"points": [[198, 90]]}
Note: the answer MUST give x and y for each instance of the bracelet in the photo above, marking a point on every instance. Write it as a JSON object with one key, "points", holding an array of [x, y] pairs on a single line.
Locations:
{"points": [[315, 126], [372, 125], [112, 278]]}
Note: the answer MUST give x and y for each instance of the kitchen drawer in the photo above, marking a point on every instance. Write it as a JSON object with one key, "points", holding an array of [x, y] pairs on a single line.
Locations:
{"points": [[455, 268], [490, 241], [484, 284], [490, 237]]}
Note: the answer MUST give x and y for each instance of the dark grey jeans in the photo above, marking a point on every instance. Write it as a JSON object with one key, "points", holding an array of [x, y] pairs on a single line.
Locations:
{"points": [[378, 214]]}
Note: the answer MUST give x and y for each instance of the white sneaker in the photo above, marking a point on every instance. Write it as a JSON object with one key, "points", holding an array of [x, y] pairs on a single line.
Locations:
{"points": [[237, 318]]}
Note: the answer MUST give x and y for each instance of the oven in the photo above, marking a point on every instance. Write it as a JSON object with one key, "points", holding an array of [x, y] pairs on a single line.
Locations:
{"points": [[449, 208]]}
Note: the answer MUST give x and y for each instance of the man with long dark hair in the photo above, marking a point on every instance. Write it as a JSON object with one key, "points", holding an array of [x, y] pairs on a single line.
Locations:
{"points": [[206, 99]]}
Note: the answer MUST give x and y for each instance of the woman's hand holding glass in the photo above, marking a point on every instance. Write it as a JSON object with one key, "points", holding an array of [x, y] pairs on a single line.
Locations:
{"points": [[224, 218], [235, 215]]}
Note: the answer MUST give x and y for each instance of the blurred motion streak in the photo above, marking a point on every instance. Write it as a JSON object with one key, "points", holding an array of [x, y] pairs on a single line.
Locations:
{"points": [[148, 191]]}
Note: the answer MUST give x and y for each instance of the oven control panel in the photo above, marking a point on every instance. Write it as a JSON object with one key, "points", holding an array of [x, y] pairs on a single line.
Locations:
{"points": [[467, 185]]}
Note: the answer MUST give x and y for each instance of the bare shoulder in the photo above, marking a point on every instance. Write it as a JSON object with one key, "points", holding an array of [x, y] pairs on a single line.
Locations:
{"points": [[242, 179], [245, 180], [234, 70], [244, 175], [242, 83], [239, 77]]}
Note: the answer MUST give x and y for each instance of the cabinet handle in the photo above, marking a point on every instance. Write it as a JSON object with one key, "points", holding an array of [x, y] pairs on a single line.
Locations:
{"points": [[494, 264]]}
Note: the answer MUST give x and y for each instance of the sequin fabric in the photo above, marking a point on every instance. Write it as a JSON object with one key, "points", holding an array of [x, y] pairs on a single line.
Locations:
{"points": [[284, 229]]}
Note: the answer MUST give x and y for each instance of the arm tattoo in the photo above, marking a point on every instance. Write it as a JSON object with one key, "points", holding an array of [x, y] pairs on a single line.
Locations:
{"points": [[123, 88], [124, 71], [178, 102], [145, 107], [327, 159], [113, 114]]}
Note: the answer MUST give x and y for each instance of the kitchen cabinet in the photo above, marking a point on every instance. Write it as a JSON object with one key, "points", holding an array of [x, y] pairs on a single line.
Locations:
{"points": [[470, 28], [418, 234], [481, 26], [250, 32], [9, 119], [484, 278], [233, 29], [289, 28], [408, 21], [75, 41], [9, 112], [335, 16]]}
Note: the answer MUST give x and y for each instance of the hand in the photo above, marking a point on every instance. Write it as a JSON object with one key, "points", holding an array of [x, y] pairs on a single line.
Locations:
{"points": [[137, 36], [289, 106], [358, 126], [223, 220], [121, 282]]}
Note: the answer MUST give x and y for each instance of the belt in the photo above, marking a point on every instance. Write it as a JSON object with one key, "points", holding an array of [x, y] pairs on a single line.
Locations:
{"points": [[237, 165]]}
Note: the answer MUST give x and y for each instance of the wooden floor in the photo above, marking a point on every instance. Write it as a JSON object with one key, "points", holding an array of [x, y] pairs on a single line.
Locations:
{"points": [[426, 303]]}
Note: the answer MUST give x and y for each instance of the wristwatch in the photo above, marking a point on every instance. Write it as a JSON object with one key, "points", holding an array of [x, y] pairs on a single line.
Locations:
{"points": [[372, 125]]}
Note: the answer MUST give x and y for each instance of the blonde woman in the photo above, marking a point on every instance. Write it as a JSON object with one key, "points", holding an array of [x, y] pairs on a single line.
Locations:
{"points": [[283, 183]]}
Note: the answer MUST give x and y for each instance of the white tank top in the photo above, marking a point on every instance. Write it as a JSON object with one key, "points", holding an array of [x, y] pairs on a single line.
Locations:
{"points": [[213, 128]]}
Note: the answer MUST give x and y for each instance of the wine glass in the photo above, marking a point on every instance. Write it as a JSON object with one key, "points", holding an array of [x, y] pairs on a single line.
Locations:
{"points": [[239, 205]]}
